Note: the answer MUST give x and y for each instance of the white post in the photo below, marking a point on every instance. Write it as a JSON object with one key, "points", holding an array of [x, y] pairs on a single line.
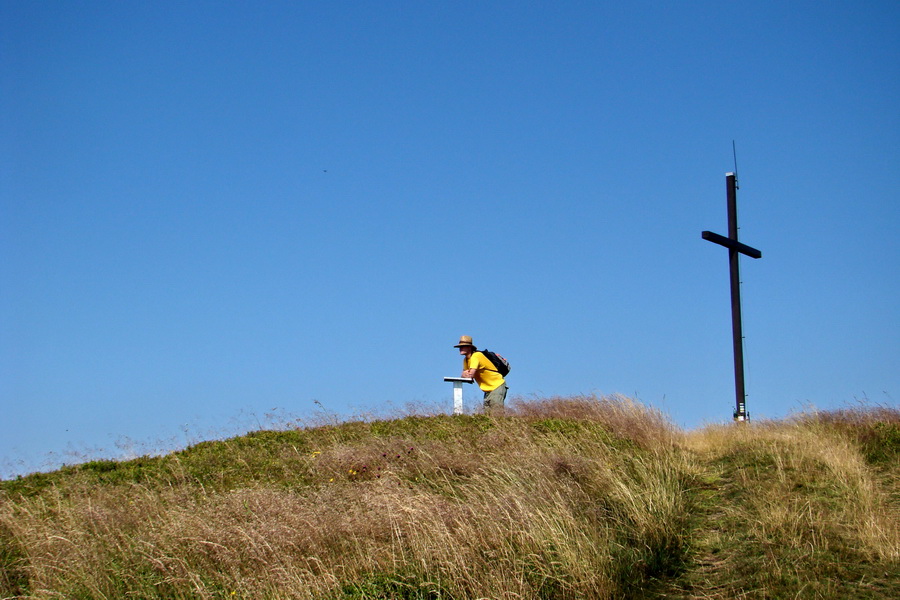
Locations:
{"points": [[458, 392], [457, 398]]}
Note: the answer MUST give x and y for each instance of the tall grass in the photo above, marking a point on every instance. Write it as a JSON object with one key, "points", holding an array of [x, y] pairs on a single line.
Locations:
{"points": [[561, 498], [805, 507]]}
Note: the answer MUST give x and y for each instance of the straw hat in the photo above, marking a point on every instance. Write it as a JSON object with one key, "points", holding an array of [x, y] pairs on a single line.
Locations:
{"points": [[464, 340]]}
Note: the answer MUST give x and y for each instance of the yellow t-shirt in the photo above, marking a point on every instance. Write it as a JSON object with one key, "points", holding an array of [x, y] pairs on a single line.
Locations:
{"points": [[486, 376]]}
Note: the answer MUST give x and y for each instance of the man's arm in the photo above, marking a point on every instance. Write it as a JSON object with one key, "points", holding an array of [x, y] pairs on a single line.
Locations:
{"points": [[472, 362]]}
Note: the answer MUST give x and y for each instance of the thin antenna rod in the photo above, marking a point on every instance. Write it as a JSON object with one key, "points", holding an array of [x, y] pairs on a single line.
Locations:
{"points": [[734, 153]]}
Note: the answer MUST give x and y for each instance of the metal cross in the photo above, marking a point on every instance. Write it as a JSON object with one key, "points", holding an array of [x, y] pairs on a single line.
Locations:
{"points": [[734, 249]]}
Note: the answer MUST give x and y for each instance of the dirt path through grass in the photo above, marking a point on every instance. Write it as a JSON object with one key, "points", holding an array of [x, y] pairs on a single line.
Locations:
{"points": [[789, 514]]}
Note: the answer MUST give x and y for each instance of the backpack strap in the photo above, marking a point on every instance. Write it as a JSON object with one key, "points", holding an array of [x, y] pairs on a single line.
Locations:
{"points": [[495, 370]]}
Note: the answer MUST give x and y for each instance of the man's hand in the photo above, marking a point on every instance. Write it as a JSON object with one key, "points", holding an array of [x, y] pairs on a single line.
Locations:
{"points": [[470, 373]]}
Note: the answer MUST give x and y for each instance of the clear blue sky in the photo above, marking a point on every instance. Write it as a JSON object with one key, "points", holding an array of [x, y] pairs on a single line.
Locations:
{"points": [[213, 211]]}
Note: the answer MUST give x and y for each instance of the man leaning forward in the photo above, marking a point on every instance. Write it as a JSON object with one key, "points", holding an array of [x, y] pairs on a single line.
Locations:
{"points": [[478, 367]]}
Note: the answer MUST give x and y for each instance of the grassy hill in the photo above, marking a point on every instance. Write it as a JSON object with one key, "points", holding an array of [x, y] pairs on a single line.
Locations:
{"points": [[561, 498]]}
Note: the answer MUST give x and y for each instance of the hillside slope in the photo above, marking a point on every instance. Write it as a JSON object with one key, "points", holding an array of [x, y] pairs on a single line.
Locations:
{"points": [[562, 498]]}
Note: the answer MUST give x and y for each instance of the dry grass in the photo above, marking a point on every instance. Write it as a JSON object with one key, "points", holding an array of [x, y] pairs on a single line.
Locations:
{"points": [[564, 498], [795, 506]]}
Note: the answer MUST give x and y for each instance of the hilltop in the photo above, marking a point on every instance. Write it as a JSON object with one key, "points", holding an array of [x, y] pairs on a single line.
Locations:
{"points": [[562, 498]]}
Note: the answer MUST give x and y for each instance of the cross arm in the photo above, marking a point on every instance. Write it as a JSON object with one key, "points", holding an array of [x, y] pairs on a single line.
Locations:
{"points": [[731, 244]]}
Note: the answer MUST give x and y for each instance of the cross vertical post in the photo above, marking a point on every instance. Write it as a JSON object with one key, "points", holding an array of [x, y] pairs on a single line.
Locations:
{"points": [[737, 331], [735, 249]]}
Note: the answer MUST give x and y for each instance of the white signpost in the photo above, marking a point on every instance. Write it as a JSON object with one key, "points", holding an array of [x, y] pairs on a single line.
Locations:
{"points": [[457, 392]]}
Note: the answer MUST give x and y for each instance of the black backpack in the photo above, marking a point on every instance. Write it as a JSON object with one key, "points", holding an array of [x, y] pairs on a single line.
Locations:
{"points": [[501, 365]]}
